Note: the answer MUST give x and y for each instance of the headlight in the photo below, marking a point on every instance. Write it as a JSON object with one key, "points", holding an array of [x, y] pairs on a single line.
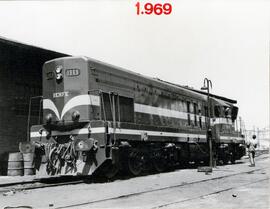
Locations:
{"points": [[58, 71], [75, 115], [49, 118], [48, 134], [59, 76], [84, 144], [81, 145]]}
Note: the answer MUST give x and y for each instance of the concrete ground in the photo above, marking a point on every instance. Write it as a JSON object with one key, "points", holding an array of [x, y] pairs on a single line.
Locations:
{"points": [[254, 195], [232, 186]]}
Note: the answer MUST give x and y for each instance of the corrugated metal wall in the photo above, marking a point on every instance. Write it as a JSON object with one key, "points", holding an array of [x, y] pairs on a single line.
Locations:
{"points": [[20, 79]]}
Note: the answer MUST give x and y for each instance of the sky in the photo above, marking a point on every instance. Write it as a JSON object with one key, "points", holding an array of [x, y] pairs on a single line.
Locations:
{"points": [[227, 41]]}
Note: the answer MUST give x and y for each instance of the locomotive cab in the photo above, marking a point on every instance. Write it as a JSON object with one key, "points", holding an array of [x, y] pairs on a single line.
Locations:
{"points": [[66, 98], [230, 144]]}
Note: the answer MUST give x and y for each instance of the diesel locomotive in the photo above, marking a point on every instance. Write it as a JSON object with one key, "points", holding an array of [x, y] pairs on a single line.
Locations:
{"points": [[101, 118]]}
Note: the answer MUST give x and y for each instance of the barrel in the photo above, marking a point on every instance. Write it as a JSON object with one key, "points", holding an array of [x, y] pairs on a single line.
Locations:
{"points": [[15, 164], [28, 162]]}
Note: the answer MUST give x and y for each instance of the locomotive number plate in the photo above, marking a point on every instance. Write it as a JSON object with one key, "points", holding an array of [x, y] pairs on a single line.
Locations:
{"points": [[72, 72]]}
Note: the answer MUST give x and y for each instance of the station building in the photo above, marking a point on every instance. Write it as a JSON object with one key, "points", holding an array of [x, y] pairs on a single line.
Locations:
{"points": [[20, 79]]}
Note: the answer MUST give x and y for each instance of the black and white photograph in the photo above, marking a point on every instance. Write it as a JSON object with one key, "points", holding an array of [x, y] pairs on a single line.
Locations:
{"points": [[134, 104]]}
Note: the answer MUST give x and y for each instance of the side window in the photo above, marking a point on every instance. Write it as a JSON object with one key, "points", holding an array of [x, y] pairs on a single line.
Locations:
{"points": [[200, 118], [217, 111], [188, 112], [227, 112], [205, 113], [195, 109], [126, 109], [106, 112]]}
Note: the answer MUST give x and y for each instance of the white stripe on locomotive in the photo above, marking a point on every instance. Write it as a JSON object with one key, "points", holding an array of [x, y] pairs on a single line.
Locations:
{"points": [[139, 108], [182, 136], [81, 100], [85, 99]]}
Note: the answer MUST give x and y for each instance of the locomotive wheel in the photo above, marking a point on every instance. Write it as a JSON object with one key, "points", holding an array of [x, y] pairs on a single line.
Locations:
{"points": [[110, 170], [160, 163], [135, 162], [225, 161], [232, 159]]}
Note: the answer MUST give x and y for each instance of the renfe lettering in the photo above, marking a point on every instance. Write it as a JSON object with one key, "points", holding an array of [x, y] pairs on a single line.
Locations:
{"points": [[60, 94]]}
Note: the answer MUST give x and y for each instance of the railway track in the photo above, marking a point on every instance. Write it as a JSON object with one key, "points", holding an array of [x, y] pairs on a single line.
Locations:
{"points": [[211, 193], [132, 195], [145, 193], [40, 183], [62, 181]]}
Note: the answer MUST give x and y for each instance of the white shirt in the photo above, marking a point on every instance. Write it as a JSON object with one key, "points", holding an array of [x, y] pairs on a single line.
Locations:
{"points": [[252, 144]]}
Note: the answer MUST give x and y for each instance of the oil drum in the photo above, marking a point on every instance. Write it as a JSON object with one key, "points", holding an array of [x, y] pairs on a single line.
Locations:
{"points": [[15, 164], [28, 162]]}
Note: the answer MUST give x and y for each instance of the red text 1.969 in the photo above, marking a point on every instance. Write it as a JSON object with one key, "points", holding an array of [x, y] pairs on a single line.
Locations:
{"points": [[156, 9]]}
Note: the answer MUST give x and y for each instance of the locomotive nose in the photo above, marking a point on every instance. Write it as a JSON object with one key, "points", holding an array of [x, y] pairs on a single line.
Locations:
{"points": [[65, 90]]}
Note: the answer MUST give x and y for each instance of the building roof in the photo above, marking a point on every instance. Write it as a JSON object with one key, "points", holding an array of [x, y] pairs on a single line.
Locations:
{"points": [[21, 45]]}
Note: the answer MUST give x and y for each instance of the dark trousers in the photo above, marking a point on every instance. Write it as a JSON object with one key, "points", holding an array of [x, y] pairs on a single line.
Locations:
{"points": [[251, 157]]}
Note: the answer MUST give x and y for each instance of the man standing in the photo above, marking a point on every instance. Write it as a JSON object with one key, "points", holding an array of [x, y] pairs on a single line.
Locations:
{"points": [[251, 145]]}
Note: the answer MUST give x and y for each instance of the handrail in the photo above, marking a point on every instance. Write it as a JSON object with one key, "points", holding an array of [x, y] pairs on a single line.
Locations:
{"points": [[29, 115]]}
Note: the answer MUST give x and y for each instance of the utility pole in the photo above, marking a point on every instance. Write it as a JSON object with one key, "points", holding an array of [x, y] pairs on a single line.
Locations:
{"points": [[258, 137], [240, 124], [206, 86]]}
